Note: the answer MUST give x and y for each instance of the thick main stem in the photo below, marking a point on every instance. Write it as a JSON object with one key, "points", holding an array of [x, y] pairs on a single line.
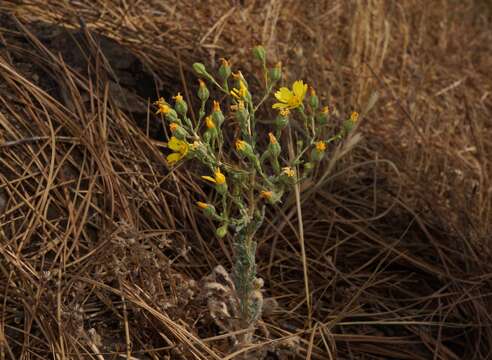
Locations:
{"points": [[246, 283]]}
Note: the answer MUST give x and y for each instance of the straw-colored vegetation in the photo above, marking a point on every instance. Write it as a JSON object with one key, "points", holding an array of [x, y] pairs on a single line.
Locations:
{"points": [[385, 254]]}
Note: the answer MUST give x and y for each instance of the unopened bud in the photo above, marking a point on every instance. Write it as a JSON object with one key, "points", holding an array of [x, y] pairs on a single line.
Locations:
{"points": [[313, 99], [349, 124], [217, 114], [207, 209], [224, 69], [276, 72], [221, 231], [318, 152], [323, 116], [203, 92], [180, 105], [282, 119], [178, 131], [260, 53], [200, 69], [273, 147]]}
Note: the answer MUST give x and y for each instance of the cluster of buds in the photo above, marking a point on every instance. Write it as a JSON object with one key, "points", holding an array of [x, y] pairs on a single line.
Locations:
{"points": [[271, 172]]}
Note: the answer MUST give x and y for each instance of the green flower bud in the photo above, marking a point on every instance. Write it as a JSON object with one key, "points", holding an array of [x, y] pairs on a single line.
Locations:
{"points": [[276, 72], [273, 147], [282, 119], [224, 69], [180, 105], [245, 149], [242, 115], [318, 152], [217, 114], [349, 124], [313, 99], [260, 53], [199, 150], [211, 132], [323, 116], [203, 92], [172, 116], [209, 135], [178, 131], [207, 209], [272, 196], [221, 231], [200, 69]]}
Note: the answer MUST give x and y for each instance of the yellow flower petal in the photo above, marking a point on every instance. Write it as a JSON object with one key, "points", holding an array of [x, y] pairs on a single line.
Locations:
{"points": [[280, 106], [202, 205], [299, 89], [283, 94], [219, 177], [173, 158], [209, 178], [175, 144]]}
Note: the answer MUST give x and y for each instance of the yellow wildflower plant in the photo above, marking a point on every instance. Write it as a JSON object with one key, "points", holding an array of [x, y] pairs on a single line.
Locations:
{"points": [[291, 99], [180, 149], [253, 159]]}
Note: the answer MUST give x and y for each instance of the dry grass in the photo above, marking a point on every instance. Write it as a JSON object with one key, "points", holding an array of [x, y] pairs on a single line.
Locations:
{"points": [[102, 252]]}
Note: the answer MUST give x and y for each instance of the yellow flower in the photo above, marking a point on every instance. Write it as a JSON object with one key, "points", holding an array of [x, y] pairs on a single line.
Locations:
{"points": [[241, 92], [218, 178], [240, 145], [354, 116], [180, 149], [291, 99], [178, 97], [266, 194], [312, 91], [288, 171], [201, 83], [202, 205], [284, 112], [217, 106], [195, 145], [273, 139], [320, 146], [173, 127], [325, 110], [225, 62], [209, 122], [164, 107]]}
